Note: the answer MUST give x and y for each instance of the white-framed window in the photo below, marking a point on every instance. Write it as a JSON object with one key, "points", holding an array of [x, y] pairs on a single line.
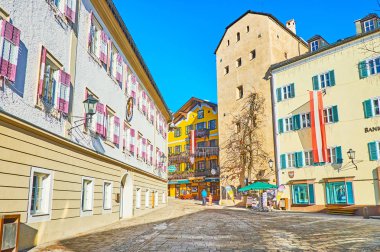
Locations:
{"points": [[286, 92], [308, 158], [328, 115], [147, 193], [305, 120], [314, 45], [95, 35], [324, 80], [107, 195], [376, 106], [110, 117], [155, 198], [113, 61], [369, 25], [87, 197], [288, 124], [291, 159], [331, 155], [164, 197], [40, 194], [374, 66], [138, 198]]}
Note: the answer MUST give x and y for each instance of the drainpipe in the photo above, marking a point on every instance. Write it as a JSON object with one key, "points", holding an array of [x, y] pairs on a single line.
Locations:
{"points": [[275, 126]]}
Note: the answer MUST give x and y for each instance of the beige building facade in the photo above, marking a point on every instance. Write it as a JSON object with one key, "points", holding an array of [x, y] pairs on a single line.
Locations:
{"points": [[249, 46], [346, 74], [64, 170]]}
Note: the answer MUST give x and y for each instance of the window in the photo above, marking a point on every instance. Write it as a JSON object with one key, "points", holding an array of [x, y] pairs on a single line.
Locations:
{"points": [[50, 80], [376, 106], [288, 124], [113, 61], [213, 164], [201, 165], [40, 194], [247, 28], [252, 54], [110, 124], [369, 67], [291, 158], [374, 66], [285, 92], [107, 195], [147, 198], [305, 120], [238, 127], [177, 132], [87, 196], [95, 38], [213, 143], [228, 42], [177, 149], [369, 25], [330, 114], [200, 114], [163, 197], [201, 144], [303, 194], [170, 150], [138, 198], [308, 158], [324, 80], [314, 45], [238, 62], [237, 36], [9, 50], [334, 155], [201, 125], [239, 92], [188, 129], [212, 124], [340, 192], [226, 70]]}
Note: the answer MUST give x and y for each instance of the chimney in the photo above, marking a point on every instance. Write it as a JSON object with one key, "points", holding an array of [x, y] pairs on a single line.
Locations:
{"points": [[358, 26], [291, 25]]}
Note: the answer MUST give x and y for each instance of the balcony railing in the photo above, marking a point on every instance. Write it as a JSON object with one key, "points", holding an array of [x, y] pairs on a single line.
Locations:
{"points": [[200, 152], [197, 173]]}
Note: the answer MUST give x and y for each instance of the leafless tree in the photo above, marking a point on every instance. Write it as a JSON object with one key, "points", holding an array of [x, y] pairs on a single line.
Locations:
{"points": [[245, 155]]}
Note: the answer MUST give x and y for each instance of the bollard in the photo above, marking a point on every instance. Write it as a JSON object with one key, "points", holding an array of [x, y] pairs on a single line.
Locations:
{"points": [[365, 213]]}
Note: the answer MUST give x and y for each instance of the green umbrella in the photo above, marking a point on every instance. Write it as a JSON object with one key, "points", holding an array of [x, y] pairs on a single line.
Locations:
{"points": [[258, 185]]}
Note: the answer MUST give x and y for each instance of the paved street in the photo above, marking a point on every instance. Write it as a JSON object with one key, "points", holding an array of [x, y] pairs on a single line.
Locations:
{"points": [[188, 226]]}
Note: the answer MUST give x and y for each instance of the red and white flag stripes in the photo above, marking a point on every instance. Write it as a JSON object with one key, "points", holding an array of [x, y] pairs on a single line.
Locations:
{"points": [[318, 131]]}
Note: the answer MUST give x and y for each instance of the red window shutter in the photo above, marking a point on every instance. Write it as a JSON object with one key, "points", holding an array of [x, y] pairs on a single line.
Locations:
{"points": [[8, 63], [116, 132], [131, 145], [42, 71], [105, 122], [64, 93], [70, 9]]}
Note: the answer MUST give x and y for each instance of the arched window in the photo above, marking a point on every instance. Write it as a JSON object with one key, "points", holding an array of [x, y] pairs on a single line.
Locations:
{"points": [[237, 36]]}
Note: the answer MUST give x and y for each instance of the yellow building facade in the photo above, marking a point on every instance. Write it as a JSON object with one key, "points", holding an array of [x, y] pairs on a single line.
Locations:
{"points": [[187, 178], [347, 75]]}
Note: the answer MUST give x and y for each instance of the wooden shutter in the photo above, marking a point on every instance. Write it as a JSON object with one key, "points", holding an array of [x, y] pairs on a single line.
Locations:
{"points": [[10, 37], [100, 118], [332, 78], [297, 122], [64, 92], [116, 133], [339, 158], [363, 72], [350, 193], [279, 94], [368, 113], [281, 126], [283, 161], [299, 159], [372, 149], [292, 91], [311, 194], [70, 10], [315, 82], [132, 145], [335, 114]]}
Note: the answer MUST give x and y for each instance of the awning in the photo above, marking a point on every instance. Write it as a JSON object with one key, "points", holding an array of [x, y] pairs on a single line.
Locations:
{"points": [[178, 182], [212, 179], [258, 185]]}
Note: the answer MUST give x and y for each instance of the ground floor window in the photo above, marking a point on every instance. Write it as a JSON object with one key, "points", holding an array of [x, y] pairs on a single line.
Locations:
{"points": [[303, 194], [138, 198], [107, 195], [87, 195], [147, 198], [340, 192]]}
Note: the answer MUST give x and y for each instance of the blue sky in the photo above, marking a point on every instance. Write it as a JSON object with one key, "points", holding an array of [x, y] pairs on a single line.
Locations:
{"points": [[177, 38]]}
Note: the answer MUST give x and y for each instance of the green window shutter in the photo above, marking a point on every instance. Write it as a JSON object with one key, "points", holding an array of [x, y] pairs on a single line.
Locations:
{"points": [[283, 161], [297, 122], [315, 82], [332, 78], [280, 126], [279, 95], [363, 73], [367, 109], [339, 158], [299, 159], [335, 113], [372, 151], [350, 193], [311, 194], [292, 91]]}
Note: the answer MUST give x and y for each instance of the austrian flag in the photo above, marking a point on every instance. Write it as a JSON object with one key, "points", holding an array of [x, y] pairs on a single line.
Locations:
{"points": [[318, 132]]}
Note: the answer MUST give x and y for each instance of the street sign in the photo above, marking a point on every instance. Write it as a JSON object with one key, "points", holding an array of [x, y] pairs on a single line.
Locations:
{"points": [[172, 168]]}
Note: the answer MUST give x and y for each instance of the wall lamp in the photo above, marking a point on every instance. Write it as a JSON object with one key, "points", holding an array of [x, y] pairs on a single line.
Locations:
{"points": [[351, 156]]}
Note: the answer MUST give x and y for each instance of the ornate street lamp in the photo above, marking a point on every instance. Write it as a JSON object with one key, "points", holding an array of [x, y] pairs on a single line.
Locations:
{"points": [[270, 163], [351, 156], [90, 106]]}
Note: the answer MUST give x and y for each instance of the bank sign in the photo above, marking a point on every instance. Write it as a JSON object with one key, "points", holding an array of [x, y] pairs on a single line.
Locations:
{"points": [[371, 129]]}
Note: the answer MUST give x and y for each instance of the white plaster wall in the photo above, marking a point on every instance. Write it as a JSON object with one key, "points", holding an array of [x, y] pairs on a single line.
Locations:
{"points": [[89, 74], [38, 26]]}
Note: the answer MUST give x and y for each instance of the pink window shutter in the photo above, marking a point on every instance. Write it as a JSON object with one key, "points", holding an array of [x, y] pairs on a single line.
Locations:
{"points": [[42, 71], [64, 95], [92, 32], [70, 10], [144, 101], [116, 130], [105, 122], [119, 68], [143, 148], [103, 49], [99, 122], [151, 154], [8, 63], [131, 145]]}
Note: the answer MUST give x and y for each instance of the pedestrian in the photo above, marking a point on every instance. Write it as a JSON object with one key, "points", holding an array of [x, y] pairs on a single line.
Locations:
{"points": [[210, 199], [204, 196]]}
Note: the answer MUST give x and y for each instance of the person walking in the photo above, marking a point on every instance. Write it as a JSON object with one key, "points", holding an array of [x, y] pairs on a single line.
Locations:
{"points": [[204, 196]]}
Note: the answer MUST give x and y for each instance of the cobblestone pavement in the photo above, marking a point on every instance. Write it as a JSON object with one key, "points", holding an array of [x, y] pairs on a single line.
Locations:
{"points": [[188, 226]]}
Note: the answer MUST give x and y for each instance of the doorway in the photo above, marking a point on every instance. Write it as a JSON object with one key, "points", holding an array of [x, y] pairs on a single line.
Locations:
{"points": [[126, 191]]}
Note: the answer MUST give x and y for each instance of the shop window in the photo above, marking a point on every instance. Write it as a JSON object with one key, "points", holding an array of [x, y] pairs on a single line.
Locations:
{"points": [[303, 194], [201, 125], [107, 195], [212, 124], [87, 201], [40, 195], [339, 193]]}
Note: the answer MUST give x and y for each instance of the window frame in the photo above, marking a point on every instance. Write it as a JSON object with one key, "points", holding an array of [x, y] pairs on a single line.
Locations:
{"points": [[375, 66], [307, 191], [177, 132], [85, 212], [292, 160], [373, 106], [110, 124], [200, 114], [309, 161], [288, 124], [147, 198], [314, 45], [104, 196], [201, 123], [328, 115], [31, 217], [331, 155], [368, 28], [239, 92], [305, 120], [138, 197], [326, 80]]}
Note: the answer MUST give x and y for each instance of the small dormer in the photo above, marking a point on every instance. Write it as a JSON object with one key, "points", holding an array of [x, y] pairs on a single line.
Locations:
{"points": [[316, 42], [367, 24]]}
